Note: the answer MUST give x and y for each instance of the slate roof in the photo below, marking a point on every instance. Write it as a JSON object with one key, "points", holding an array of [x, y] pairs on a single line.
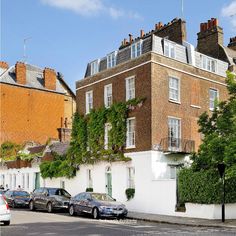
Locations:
{"points": [[34, 78], [59, 148]]}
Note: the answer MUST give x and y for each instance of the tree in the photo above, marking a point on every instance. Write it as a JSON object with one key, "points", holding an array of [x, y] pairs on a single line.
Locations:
{"points": [[219, 131]]}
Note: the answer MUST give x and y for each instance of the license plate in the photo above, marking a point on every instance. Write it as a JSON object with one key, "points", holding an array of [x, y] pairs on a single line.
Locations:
{"points": [[117, 212]]}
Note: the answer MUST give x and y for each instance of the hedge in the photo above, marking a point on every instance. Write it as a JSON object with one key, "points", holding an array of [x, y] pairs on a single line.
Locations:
{"points": [[204, 187]]}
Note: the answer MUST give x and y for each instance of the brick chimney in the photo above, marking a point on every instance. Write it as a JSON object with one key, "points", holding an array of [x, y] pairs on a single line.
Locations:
{"points": [[232, 43], [3, 66], [20, 70], [210, 37], [130, 38], [174, 30], [49, 76], [142, 33]]}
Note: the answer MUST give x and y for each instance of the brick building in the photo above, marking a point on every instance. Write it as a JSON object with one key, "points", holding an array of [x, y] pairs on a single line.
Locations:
{"points": [[179, 83], [36, 104]]}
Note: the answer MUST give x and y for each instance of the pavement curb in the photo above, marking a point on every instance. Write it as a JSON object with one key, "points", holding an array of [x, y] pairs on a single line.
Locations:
{"points": [[185, 224]]}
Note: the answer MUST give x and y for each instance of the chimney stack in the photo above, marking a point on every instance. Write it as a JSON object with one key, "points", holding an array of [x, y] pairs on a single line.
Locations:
{"points": [[141, 33], [20, 70], [3, 66], [210, 37], [175, 30], [130, 38], [49, 76], [232, 43]]}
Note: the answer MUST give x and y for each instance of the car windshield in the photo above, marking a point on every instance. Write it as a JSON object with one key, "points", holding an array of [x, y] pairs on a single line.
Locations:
{"points": [[21, 194], [101, 197]]}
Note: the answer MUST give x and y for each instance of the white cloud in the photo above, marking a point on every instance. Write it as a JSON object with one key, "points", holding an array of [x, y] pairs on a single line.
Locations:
{"points": [[91, 8], [229, 11]]}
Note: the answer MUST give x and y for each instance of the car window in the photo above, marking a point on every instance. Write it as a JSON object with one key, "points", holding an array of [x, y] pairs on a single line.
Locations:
{"points": [[21, 193], [38, 190], [87, 196], [8, 194], [101, 197], [78, 197], [65, 193], [53, 191]]}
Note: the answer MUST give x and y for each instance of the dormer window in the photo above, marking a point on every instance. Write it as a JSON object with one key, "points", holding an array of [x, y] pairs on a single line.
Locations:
{"points": [[136, 49], [169, 49], [208, 63], [94, 67], [111, 59]]}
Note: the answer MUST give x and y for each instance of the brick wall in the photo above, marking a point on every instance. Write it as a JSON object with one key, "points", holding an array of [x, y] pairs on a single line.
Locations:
{"points": [[29, 114]]}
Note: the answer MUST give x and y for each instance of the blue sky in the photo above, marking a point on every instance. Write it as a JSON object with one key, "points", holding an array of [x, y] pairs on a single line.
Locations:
{"points": [[66, 34]]}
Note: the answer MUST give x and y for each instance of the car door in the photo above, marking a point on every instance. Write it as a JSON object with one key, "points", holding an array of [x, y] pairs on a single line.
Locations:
{"points": [[44, 198], [81, 203], [37, 195], [76, 202], [87, 204]]}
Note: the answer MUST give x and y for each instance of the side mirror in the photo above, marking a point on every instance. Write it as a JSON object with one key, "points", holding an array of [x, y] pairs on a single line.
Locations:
{"points": [[114, 199]]}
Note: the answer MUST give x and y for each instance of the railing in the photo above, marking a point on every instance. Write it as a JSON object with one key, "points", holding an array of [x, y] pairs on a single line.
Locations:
{"points": [[177, 145]]}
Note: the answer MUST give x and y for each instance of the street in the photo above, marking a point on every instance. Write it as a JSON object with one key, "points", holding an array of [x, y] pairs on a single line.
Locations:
{"points": [[25, 222]]}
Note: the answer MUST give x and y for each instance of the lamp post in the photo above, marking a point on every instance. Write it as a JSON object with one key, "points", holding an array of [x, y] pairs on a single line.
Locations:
{"points": [[221, 169]]}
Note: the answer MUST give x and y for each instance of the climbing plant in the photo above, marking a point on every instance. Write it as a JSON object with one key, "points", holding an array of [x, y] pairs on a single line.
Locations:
{"points": [[87, 139]]}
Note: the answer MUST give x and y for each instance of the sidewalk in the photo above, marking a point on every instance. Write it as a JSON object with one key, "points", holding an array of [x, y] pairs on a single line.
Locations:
{"points": [[181, 220]]}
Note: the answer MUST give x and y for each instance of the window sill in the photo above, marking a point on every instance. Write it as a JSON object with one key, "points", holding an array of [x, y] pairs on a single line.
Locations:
{"points": [[130, 147], [173, 101], [195, 106]]}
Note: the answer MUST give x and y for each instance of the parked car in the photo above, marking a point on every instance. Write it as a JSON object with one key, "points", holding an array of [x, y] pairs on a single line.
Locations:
{"points": [[49, 199], [98, 205], [5, 215], [17, 198]]}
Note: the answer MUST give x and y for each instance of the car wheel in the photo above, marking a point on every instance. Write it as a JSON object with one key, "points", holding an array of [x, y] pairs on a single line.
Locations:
{"points": [[49, 207], [95, 213], [71, 210], [31, 205], [6, 222]]}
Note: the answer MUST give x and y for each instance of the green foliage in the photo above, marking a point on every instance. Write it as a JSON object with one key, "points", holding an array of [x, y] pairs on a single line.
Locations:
{"points": [[60, 166], [87, 139], [204, 187], [201, 182], [219, 130], [129, 193], [9, 150], [89, 190]]}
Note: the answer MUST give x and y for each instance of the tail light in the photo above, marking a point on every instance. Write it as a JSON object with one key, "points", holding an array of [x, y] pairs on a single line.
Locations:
{"points": [[7, 206]]}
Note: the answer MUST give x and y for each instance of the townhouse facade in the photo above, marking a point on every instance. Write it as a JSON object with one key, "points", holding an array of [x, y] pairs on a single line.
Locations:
{"points": [[178, 84], [36, 104]]}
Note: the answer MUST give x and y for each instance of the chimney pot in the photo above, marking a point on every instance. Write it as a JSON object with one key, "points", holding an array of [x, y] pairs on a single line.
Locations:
{"points": [[130, 38]]}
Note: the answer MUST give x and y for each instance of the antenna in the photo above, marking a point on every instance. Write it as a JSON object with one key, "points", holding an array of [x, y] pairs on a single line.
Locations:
{"points": [[25, 40]]}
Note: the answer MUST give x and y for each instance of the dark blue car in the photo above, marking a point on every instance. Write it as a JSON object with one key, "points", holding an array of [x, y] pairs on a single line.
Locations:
{"points": [[98, 205], [17, 198]]}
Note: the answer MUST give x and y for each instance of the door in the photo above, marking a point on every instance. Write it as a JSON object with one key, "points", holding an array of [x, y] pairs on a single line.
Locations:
{"points": [[108, 181], [37, 180]]}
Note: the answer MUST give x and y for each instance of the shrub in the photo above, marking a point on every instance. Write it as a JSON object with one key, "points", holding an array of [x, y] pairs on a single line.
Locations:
{"points": [[129, 193], [89, 190], [204, 187]]}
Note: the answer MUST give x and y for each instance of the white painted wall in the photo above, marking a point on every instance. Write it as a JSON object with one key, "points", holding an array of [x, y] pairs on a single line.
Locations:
{"points": [[210, 211]]}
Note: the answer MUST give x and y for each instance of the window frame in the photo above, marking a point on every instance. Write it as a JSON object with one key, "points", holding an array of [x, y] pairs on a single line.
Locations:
{"points": [[127, 88], [128, 133], [206, 63], [169, 45], [107, 128], [130, 178], [87, 103], [179, 133], [210, 101], [111, 59], [134, 49], [106, 97], [94, 69], [172, 88], [89, 178]]}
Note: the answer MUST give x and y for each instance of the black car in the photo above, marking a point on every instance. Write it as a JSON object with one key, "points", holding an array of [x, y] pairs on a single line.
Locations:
{"points": [[98, 205], [17, 198], [49, 199]]}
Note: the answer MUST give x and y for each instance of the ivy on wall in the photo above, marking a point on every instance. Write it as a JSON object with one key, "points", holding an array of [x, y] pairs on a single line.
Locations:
{"points": [[87, 139]]}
